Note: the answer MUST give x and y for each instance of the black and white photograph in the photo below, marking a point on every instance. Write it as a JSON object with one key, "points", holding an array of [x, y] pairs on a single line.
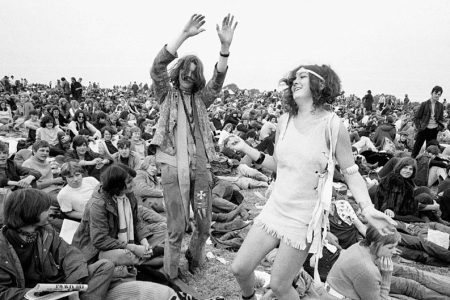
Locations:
{"points": [[224, 149]]}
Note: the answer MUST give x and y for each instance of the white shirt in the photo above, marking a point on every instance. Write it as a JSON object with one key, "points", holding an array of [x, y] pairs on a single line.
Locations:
{"points": [[365, 119], [71, 199]]}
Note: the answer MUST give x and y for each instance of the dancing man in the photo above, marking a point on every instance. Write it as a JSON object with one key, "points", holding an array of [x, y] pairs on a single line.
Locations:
{"points": [[183, 140]]}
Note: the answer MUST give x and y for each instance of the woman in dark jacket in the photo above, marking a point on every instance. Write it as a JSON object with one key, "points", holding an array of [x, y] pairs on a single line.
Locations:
{"points": [[395, 194]]}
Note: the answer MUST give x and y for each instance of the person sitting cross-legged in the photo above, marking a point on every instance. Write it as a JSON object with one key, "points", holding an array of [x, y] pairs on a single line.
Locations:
{"points": [[111, 229]]}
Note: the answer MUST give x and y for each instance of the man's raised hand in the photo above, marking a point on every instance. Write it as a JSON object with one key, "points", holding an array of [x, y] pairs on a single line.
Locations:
{"points": [[227, 31], [194, 25]]}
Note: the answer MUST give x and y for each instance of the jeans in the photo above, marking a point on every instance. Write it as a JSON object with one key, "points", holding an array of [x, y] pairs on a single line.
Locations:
{"points": [[121, 257], [176, 225], [421, 229], [247, 178], [244, 183], [246, 171], [419, 249], [419, 284], [98, 280], [155, 226]]}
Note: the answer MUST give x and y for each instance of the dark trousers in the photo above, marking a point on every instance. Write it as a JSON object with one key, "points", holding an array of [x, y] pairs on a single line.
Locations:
{"points": [[421, 250], [422, 136]]}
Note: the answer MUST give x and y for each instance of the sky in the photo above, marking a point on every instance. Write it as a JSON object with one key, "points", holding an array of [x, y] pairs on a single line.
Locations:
{"points": [[394, 47]]}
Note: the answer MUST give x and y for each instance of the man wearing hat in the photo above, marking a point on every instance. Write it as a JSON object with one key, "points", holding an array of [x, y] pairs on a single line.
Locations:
{"points": [[429, 120]]}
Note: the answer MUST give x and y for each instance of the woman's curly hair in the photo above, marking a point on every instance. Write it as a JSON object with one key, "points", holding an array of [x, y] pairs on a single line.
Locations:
{"points": [[323, 92]]}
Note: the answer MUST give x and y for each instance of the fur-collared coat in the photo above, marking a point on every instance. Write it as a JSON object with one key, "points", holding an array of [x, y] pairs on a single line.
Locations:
{"points": [[397, 194]]}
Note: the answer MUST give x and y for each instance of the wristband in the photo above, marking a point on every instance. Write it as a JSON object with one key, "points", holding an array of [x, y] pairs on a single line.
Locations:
{"points": [[261, 158], [224, 55]]}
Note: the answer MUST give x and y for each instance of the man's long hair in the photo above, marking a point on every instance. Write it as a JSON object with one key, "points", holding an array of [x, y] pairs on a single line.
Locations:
{"points": [[183, 65]]}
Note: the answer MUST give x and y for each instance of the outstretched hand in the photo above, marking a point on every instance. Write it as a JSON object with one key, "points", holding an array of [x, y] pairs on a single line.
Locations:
{"points": [[379, 220], [226, 32], [194, 25]]}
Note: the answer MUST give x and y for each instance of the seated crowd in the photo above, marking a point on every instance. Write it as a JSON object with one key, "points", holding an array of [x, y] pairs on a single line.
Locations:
{"points": [[88, 160]]}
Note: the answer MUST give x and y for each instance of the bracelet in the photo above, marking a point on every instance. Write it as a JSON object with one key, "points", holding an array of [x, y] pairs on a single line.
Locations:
{"points": [[261, 158], [224, 55]]}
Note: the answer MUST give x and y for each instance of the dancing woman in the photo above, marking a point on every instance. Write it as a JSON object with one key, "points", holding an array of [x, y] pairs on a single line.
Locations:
{"points": [[300, 159]]}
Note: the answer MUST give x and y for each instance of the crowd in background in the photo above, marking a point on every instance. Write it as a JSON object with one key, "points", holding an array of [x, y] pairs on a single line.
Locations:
{"points": [[64, 138]]}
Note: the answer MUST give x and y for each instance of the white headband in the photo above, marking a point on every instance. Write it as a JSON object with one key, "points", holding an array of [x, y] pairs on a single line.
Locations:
{"points": [[303, 70]]}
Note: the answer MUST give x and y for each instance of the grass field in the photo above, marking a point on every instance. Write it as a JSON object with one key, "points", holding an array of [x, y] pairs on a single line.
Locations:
{"points": [[215, 279]]}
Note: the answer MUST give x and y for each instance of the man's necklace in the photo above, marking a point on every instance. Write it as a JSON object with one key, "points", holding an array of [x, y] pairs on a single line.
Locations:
{"points": [[189, 110]]}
